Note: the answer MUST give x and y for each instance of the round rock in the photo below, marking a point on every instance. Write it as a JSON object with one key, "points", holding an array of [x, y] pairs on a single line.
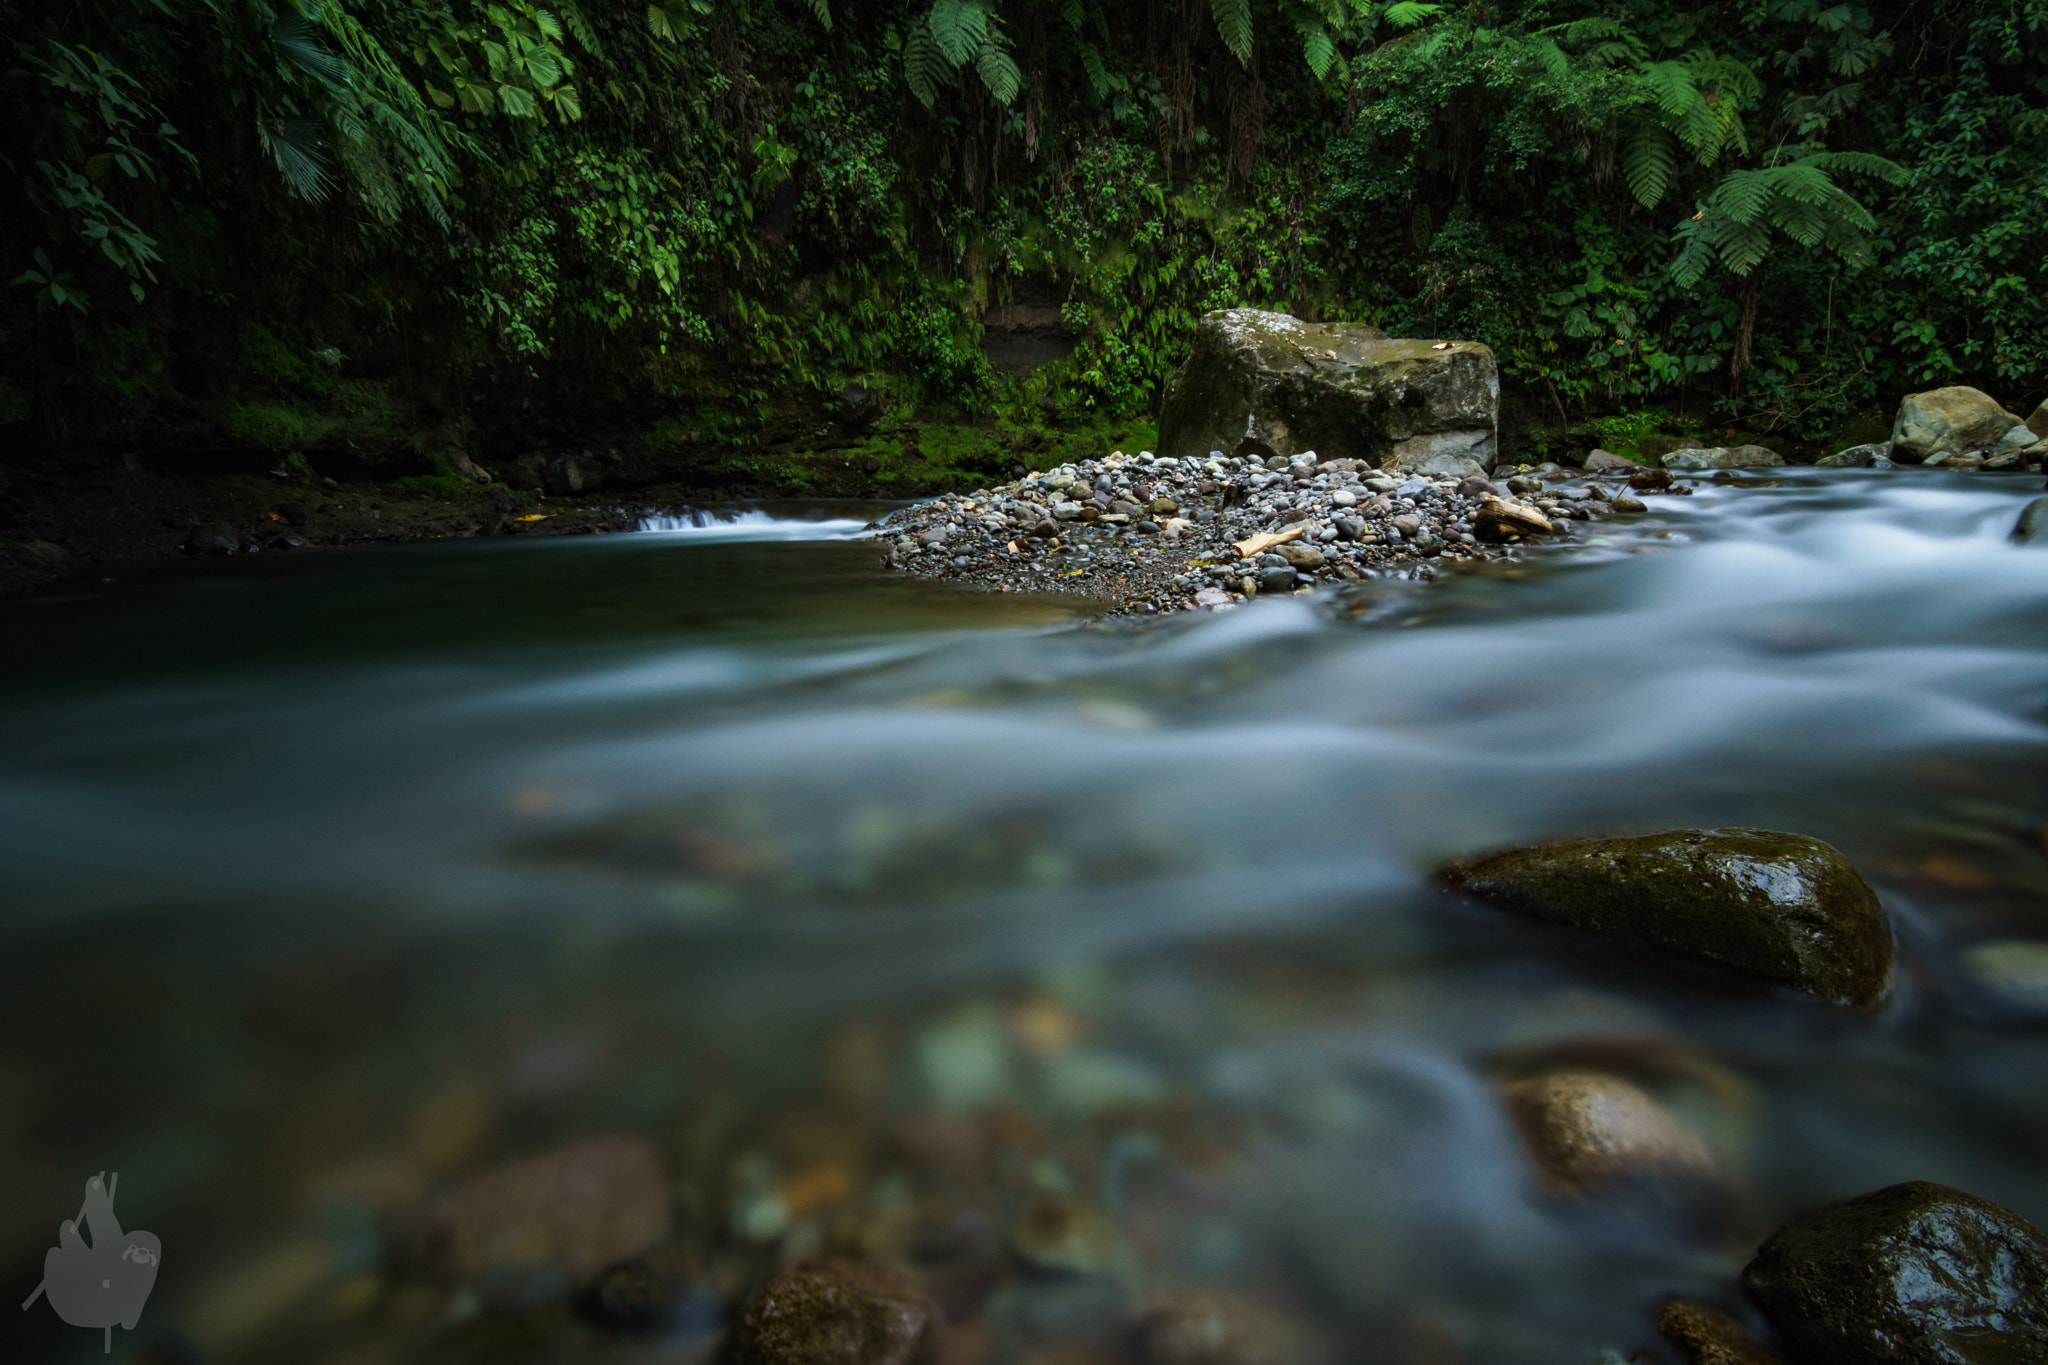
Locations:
{"points": [[833, 1311], [1913, 1274], [1782, 910], [1707, 1336], [1592, 1134]]}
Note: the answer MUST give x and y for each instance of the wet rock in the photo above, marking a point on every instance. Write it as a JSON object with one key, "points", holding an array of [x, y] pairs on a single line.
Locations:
{"points": [[1500, 520], [1783, 910], [44, 555], [1276, 580], [2032, 527], [833, 1311], [213, 538], [1949, 421], [1265, 384], [1057, 1235], [1913, 1274], [1592, 1134], [575, 1211], [1475, 486], [1650, 480], [1302, 556], [2015, 971], [567, 475], [1206, 1325], [1627, 504], [1855, 457], [1707, 1336], [1722, 457], [859, 407], [1598, 460], [665, 1287]]}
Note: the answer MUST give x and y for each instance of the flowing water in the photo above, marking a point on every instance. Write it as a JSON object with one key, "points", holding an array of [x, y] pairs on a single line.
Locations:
{"points": [[333, 879]]}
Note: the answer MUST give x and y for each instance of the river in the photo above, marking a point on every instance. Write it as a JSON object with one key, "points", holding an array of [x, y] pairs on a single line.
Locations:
{"points": [[331, 879]]}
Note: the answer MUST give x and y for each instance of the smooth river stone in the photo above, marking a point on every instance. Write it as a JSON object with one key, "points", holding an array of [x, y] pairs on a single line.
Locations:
{"points": [[1913, 1274], [1782, 910]]}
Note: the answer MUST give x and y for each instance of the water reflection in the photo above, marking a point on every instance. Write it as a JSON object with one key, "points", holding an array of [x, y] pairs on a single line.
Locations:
{"points": [[1081, 969]]}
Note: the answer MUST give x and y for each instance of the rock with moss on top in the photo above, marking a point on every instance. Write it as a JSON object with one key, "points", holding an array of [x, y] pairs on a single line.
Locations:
{"points": [[1781, 910]]}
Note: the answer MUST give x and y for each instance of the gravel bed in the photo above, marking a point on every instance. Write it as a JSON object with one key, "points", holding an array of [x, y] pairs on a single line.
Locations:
{"points": [[1147, 534]]}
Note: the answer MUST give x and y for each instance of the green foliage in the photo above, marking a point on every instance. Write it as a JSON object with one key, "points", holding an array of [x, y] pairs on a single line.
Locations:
{"points": [[1779, 211]]}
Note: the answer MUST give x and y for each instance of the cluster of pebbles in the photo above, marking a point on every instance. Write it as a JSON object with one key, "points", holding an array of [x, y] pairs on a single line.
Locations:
{"points": [[1152, 534]]}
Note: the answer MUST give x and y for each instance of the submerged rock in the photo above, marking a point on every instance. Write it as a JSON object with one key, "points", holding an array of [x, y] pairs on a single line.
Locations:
{"points": [[573, 1212], [1913, 1274], [1207, 1325], [1949, 421], [2032, 527], [1722, 457], [1267, 384], [833, 1311], [663, 1287], [1707, 1336], [1592, 1134], [1781, 909]]}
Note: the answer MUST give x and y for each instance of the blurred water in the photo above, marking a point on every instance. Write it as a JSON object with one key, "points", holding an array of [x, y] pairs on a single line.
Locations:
{"points": [[655, 832]]}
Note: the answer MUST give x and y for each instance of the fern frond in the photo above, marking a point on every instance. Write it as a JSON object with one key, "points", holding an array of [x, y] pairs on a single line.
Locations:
{"points": [[959, 27], [1320, 51], [1804, 223], [299, 151], [1409, 13], [1092, 65], [998, 72], [1647, 164], [925, 68], [1695, 252], [1741, 195], [1234, 27], [298, 42], [1861, 163], [1741, 246]]}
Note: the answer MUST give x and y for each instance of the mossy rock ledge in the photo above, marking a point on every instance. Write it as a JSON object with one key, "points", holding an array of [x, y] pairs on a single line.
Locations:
{"points": [[1783, 910], [1913, 1274]]}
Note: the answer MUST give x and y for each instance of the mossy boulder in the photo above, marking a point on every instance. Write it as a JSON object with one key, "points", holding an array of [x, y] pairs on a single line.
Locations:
{"points": [[1913, 1274], [1782, 910], [1264, 384]]}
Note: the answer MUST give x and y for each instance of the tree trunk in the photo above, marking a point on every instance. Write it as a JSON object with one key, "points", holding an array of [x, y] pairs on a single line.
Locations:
{"points": [[1745, 331]]}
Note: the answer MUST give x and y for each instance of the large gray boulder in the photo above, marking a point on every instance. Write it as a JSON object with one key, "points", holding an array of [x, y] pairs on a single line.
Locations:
{"points": [[1264, 384], [1942, 422]]}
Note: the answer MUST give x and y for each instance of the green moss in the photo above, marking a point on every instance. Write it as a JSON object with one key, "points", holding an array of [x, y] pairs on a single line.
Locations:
{"points": [[275, 425], [446, 487]]}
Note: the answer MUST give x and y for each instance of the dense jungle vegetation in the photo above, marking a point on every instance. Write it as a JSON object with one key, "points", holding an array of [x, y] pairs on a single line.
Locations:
{"points": [[465, 224]]}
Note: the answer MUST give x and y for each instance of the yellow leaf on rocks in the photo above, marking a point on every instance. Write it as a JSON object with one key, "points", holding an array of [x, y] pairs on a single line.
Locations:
{"points": [[532, 516], [1264, 541]]}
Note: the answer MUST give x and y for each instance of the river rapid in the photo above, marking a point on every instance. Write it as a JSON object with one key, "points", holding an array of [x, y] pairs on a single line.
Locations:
{"points": [[331, 880]]}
